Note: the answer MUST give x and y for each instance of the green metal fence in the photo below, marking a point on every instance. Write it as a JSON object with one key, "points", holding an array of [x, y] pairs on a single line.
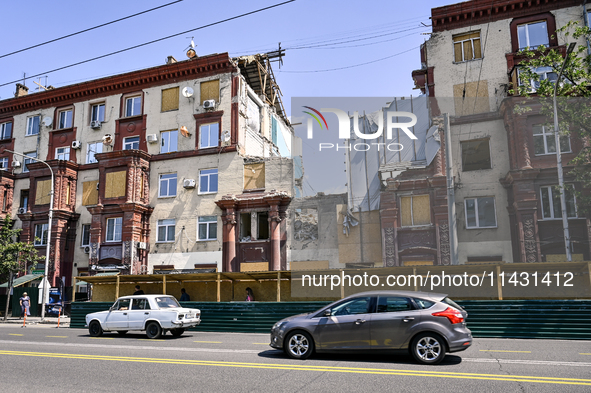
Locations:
{"points": [[549, 319]]}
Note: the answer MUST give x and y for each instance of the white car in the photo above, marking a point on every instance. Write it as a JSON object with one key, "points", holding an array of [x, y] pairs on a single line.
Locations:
{"points": [[156, 314]]}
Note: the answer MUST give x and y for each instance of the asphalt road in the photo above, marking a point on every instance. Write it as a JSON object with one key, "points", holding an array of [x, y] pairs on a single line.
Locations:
{"points": [[69, 360]]}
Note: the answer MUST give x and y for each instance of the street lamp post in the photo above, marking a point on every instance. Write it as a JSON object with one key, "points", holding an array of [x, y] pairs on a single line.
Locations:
{"points": [[47, 246], [559, 159]]}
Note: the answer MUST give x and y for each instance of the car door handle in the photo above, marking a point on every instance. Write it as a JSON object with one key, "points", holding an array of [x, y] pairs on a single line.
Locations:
{"points": [[359, 321], [408, 319], [147, 313], [124, 313]]}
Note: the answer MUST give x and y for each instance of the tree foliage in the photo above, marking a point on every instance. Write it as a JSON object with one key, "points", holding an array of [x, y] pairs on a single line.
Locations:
{"points": [[15, 256], [573, 95]]}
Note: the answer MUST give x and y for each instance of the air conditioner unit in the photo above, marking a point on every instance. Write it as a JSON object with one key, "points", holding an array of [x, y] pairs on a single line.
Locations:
{"points": [[76, 144], [189, 183], [96, 125], [142, 245], [208, 104], [16, 164], [87, 250], [22, 210], [152, 138]]}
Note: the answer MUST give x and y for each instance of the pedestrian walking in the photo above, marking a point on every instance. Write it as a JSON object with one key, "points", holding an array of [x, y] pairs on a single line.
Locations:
{"points": [[184, 296], [249, 295], [25, 302]]}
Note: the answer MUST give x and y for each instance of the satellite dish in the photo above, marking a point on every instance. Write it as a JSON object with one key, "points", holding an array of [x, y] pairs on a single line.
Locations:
{"points": [[226, 136], [185, 132], [191, 53], [47, 121], [188, 92], [107, 139]]}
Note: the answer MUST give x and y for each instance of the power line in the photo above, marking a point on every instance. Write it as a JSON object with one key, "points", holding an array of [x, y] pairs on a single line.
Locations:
{"points": [[351, 66], [89, 29], [153, 41], [365, 44]]}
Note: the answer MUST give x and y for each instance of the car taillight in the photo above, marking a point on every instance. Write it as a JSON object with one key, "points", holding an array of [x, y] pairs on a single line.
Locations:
{"points": [[454, 316]]}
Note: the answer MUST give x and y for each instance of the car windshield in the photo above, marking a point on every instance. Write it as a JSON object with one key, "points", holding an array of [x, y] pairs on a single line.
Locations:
{"points": [[167, 302]]}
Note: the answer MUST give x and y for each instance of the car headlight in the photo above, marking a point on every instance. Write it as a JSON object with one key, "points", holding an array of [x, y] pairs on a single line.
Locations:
{"points": [[279, 325]]}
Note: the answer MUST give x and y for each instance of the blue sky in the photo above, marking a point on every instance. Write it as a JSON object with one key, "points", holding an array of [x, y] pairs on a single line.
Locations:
{"points": [[317, 35]]}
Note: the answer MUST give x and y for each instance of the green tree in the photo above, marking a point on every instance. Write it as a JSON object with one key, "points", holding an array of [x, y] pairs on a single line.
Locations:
{"points": [[573, 96], [15, 256]]}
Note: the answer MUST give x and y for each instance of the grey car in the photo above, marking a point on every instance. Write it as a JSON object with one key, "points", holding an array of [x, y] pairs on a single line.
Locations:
{"points": [[426, 324]]}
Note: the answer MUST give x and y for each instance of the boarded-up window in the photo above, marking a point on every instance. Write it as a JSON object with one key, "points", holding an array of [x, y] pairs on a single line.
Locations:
{"points": [[89, 193], [415, 210], [115, 184], [471, 98], [467, 47], [210, 90], [42, 196], [254, 176], [170, 99]]}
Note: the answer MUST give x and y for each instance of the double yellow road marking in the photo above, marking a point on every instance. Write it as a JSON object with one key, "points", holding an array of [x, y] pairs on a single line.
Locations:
{"points": [[354, 370]]}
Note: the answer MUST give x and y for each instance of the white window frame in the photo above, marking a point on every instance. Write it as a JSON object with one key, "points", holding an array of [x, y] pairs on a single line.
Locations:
{"points": [[126, 143], [207, 223], [91, 150], [3, 127], [43, 238], [167, 224], [549, 132], [521, 47], [543, 72], [208, 176], [117, 223], [27, 161], [4, 163], [461, 42], [164, 185], [129, 110], [31, 129], [165, 139], [476, 211], [60, 122], [98, 112], [65, 154], [85, 228], [551, 194], [209, 139]]}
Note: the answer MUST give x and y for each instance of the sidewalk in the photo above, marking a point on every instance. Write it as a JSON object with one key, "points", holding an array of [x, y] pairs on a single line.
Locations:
{"points": [[64, 321]]}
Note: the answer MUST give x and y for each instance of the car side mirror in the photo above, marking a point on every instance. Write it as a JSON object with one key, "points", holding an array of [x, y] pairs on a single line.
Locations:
{"points": [[327, 313]]}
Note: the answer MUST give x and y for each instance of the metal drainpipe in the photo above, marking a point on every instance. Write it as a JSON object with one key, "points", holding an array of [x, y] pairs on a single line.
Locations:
{"points": [[588, 24]]}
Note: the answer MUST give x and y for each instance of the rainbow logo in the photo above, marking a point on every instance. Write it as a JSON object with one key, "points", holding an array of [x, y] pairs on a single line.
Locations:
{"points": [[315, 117]]}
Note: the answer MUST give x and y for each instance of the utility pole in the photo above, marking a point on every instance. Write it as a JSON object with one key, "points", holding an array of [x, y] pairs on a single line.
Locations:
{"points": [[451, 199]]}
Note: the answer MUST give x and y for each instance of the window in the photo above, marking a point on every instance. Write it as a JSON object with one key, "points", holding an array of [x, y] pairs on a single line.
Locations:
{"points": [[170, 99], [415, 210], [545, 141], [543, 73], [40, 234], [253, 112], [467, 47], [480, 212], [62, 153], [208, 228], [97, 112], [393, 304], [85, 235], [360, 305], [33, 125], [533, 35], [6, 130], [25, 199], [92, 149], [140, 304], [551, 202], [169, 141], [210, 90], [209, 135], [475, 155], [167, 185], [28, 160], [254, 226], [4, 163], [131, 143], [122, 305], [208, 181], [114, 227], [166, 230], [64, 119], [254, 176], [133, 106]]}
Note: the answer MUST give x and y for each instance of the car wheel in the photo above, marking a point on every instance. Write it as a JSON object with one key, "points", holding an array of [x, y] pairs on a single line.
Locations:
{"points": [[95, 329], [153, 330], [177, 332], [122, 332], [299, 345], [428, 348]]}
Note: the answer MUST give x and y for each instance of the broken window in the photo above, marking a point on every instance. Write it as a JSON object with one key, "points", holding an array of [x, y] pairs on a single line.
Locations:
{"points": [[467, 47], [475, 155], [254, 226], [253, 112], [415, 210]]}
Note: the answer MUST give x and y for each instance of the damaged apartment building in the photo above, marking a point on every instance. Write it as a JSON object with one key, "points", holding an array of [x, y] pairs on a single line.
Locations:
{"points": [[184, 166]]}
